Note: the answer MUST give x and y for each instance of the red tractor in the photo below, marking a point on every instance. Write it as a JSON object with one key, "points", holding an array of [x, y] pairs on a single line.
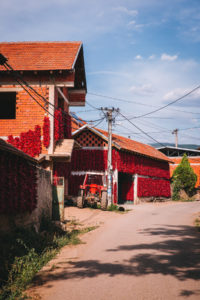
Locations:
{"points": [[93, 190]]}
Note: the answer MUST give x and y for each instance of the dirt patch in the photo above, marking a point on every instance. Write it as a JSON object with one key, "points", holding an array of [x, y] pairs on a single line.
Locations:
{"points": [[77, 218]]}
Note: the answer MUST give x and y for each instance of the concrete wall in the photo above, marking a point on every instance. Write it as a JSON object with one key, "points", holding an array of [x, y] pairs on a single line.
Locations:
{"points": [[44, 206]]}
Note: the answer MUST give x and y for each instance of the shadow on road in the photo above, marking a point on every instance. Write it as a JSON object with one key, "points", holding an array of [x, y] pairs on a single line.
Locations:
{"points": [[176, 254]]}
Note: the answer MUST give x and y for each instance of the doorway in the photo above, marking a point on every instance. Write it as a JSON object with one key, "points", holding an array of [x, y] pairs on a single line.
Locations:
{"points": [[125, 188]]}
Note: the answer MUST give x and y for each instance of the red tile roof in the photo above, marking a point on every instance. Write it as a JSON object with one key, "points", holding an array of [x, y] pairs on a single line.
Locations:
{"points": [[40, 56], [139, 148], [133, 146]]}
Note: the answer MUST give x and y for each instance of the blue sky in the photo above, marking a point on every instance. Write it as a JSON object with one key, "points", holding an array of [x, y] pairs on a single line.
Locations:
{"points": [[143, 51]]}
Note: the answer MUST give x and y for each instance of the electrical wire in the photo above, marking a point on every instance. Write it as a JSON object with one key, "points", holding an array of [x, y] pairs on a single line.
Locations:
{"points": [[138, 103], [118, 99], [161, 108], [84, 111], [92, 106], [141, 130], [98, 123], [24, 83]]}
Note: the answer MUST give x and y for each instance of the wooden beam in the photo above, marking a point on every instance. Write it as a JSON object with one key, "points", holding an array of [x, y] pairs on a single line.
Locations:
{"points": [[61, 93]]}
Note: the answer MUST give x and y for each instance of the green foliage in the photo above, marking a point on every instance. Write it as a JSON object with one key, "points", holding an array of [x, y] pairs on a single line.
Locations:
{"points": [[112, 207], [183, 178], [197, 223], [25, 252]]}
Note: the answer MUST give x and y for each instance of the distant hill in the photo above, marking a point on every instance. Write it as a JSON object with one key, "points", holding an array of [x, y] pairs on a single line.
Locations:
{"points": [[187, 146]]}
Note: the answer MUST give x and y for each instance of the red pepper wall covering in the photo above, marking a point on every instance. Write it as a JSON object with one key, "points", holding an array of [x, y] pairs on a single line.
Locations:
{"points": [[29, 142], [74, 183], [135, 164], [62, 125], [67, 126], [58, 125], [148, 187], [88, 160], [83, 160], [61, 169], [18, 184], [96, 160], [46, 132]]}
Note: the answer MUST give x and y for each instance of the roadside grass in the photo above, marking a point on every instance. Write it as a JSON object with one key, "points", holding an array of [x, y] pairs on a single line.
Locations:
{"points": [[184, 200], [24, 252], [197, 223], [112, 207]]}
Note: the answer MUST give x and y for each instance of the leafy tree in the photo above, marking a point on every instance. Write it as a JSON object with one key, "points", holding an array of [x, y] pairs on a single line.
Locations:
{"points": [[183, 178]]}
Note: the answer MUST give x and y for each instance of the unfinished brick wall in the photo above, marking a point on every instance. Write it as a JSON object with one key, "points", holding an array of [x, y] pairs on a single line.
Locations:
{"points": [[28, 113]]}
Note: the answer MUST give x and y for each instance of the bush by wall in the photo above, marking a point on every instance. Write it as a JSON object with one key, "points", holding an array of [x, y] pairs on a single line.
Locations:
{"points": [[183, 178]]}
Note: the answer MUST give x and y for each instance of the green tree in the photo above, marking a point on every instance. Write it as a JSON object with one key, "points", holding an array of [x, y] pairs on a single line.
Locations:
{"points": [[183, 178]]}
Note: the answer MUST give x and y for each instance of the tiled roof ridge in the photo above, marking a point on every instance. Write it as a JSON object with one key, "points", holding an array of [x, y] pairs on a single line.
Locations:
{"points": [[42, 42], [123, 140], [41, 56]]}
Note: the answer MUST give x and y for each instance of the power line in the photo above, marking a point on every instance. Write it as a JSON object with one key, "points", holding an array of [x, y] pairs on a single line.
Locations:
{"points": [[93, 126], [92, 106], [118, 99], [180, 98], [138, 103], [141, 130], [84, 111], [18, 77]]}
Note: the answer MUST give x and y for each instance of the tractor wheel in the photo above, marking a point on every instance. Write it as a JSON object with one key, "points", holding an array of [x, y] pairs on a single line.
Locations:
{"points": [[104, 200], [80, 201]]}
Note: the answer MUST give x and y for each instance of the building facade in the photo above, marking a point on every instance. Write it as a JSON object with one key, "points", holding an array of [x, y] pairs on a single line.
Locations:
{"points": [[140, 172], [39, 81]]}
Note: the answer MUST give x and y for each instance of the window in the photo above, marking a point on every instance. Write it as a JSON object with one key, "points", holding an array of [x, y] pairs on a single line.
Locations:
{"points": [[7, 105]]}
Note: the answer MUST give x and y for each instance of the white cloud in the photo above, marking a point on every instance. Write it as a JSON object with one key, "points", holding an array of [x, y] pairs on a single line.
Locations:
{"points": [[123, 9], [138, 57], [152, 56], [150, 84], [143, 90], [168, 57], [179, 92], [131, 23]]}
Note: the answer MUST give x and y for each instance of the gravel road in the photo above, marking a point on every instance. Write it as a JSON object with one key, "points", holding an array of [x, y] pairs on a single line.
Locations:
{"points": [[151, 252]]}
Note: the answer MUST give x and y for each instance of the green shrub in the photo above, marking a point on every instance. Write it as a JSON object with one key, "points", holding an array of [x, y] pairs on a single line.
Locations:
{"points": [[112, 207], [183, 178]]}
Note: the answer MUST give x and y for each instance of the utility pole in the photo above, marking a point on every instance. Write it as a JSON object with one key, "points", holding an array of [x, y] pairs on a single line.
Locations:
{"points": [[109, 116], [175, 131]]}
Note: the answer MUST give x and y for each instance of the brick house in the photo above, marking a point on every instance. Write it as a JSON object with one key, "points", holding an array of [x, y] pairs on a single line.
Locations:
{"points": [[140, 172], [36, 119]]}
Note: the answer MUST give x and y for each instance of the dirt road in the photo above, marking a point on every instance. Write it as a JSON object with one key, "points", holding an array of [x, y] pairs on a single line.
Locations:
{"points": [[152, 252]]}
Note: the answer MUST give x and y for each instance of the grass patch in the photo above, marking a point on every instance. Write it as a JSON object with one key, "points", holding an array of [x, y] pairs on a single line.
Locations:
{"points": [[116, 208], [24, 252], [197, 223], [112, 207], [184, 200]]}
